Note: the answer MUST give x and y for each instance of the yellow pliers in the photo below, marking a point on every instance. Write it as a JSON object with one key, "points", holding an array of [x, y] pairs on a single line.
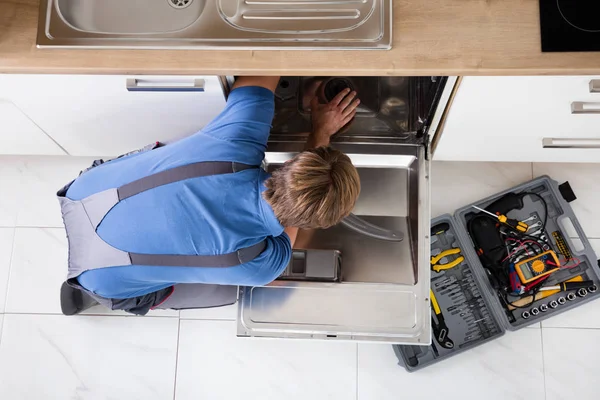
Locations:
{"points": [[440, 267]]}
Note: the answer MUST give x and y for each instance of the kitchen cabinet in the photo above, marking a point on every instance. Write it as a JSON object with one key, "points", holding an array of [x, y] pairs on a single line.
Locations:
{"points": [[539, 119], [101, 115], [20, 135]]}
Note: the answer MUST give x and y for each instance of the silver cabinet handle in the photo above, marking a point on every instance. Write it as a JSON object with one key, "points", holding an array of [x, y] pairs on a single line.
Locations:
{"points": [[148, 85], [582, 107], [560, 143], [595, 86]]}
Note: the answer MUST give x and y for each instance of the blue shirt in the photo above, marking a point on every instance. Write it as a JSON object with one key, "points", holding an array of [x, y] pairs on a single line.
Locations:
{"points": [[199, 216]]}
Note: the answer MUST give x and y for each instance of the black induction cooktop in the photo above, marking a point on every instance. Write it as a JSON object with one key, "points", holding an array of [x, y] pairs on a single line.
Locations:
{"points": [[570, 25]]}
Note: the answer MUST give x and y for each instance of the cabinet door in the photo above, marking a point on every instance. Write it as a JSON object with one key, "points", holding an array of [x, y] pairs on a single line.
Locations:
{"points": [[99, 115], [542, 119], [18, 133]]}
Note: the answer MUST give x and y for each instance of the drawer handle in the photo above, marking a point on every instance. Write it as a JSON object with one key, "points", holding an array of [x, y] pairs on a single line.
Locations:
{"points": [[595, 86], [559, 143], [147, 85], [582, 107]]}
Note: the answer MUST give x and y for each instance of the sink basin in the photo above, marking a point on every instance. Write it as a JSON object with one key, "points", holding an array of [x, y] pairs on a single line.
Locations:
{"points": [[143, 17], [185, 24]]}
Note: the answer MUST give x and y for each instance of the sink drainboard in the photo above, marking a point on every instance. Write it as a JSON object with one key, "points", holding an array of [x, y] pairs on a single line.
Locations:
{"points": [[299, 17]]}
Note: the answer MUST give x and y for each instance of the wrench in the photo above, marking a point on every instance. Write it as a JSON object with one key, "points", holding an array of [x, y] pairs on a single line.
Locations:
{"points": [[533, 217], [444, 279], [539, 223], [536, 233]]}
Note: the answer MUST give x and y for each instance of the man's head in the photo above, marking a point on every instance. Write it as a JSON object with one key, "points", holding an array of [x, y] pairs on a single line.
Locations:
{"points": [[315, 189]]}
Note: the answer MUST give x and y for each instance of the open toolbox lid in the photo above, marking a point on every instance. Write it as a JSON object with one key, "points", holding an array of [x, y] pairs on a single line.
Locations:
{"points": [[560, 219]]}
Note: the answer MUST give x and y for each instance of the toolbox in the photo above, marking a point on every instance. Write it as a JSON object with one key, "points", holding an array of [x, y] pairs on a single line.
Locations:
{"points": [[490, 276]]}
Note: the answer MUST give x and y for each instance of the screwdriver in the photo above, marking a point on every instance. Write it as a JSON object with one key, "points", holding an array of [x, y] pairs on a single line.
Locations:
{"points": [[513, 223], [564, 286]]}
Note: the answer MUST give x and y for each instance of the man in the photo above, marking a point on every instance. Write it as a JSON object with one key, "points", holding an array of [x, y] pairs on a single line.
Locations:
{"points": [[182, 225]]}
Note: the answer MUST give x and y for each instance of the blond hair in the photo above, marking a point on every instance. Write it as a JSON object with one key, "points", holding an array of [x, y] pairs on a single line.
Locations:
{"points": [[315, 189]]}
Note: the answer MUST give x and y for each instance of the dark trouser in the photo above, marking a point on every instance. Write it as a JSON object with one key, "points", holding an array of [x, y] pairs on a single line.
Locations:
{"points": [[75, 299], [198, 295]]}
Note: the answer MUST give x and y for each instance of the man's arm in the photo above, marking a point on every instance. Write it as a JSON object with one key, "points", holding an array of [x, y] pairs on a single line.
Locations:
{"points": [[245, 123], [267, 82]]}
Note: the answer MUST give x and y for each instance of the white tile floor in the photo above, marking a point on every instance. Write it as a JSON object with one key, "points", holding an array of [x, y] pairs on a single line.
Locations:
{"points": [[195, 354]]}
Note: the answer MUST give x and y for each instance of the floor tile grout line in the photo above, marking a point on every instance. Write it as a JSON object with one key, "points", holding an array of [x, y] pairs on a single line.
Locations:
{"points": [[206, 319], [176, 359], [2, 327], [90, 315], [32, 227], [543, 363], [117, 315], [356, 371], [10, 261], [572, 328]]}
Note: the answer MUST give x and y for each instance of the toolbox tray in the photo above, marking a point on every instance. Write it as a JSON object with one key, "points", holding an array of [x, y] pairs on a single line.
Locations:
{"points": [[491, 307]]}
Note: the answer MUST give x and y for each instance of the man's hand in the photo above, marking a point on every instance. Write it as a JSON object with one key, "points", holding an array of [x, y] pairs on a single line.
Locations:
{"points": [[327, 119]]}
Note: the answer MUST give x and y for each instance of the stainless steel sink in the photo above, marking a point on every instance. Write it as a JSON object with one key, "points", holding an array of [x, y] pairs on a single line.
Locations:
{"points": [[342, 24]]}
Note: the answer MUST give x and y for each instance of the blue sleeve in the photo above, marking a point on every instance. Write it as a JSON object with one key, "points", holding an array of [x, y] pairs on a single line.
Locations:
{"points": [[247, 117], [279, 254]]}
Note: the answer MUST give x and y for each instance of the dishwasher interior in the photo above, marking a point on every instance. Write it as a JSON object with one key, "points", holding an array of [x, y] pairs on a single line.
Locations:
{"points": [[381, 292], [393, 109]]}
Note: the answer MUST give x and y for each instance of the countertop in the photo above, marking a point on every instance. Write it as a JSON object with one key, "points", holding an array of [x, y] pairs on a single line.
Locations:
{"points": [[431, 37]]}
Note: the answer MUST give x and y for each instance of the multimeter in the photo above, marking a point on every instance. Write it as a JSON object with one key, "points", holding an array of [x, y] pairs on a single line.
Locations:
{"points": [[535, 267]]}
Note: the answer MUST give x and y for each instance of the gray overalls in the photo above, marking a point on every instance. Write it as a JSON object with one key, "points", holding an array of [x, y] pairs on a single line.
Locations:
{"points": [[87, 250]]}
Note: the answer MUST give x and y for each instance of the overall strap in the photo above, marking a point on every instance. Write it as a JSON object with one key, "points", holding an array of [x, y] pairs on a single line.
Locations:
{"points": [[196, 170], [239, 257]]}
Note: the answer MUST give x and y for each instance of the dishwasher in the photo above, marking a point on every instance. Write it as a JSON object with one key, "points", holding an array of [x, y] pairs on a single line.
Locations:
{"points": [[342, 284]]}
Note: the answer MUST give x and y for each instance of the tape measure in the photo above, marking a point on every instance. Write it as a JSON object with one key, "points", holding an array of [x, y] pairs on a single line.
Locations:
{"points": [[535, 267]]}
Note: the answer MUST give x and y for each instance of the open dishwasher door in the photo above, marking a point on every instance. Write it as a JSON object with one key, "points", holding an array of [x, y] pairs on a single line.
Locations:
{"points": [[346, 285]]}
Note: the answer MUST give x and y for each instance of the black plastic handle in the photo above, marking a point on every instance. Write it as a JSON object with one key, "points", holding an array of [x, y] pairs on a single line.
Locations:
{"points": [[576, 285]]}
